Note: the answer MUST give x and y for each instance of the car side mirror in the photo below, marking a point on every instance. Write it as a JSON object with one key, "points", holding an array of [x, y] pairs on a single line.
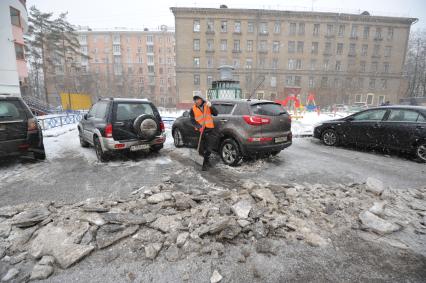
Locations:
{"points": [[185, 114], [85, 116]]}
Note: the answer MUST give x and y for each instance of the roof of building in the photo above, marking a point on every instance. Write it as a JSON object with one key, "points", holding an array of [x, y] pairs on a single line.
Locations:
{"points": [[363, 17]]}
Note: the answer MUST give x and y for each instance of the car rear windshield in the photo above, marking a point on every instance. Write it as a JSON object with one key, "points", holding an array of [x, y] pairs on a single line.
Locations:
{"points": [[131, 110], [268, 109], [11, 110]]}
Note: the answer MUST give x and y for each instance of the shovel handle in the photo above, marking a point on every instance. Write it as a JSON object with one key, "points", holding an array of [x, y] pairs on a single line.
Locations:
{"points": [[199, 139]]}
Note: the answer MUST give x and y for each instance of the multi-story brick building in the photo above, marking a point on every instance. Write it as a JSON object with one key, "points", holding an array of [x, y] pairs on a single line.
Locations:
{"points": [[124, 63], [341, 58]]}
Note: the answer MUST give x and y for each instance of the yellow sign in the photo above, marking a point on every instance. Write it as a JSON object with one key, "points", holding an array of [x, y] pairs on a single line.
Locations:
{"points": [[76, 101]]}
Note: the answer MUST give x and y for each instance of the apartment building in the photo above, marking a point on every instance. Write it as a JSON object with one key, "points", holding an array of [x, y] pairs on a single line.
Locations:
{"points": [[340, 58], [13, 25], [123, 63]]}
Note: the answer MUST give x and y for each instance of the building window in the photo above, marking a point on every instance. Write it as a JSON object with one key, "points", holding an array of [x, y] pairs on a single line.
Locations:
{"points": [[196, 62], [274, 64], [297, 80], [311, 82], [381, 100], [330, 30], [149, 39], [196, 45], [298, 64], [291, 47], [376, 50], [374, 67], [372, 84], [276, 46], [390, 33], [378, 35], [236, 63], [263, 46], [223, 45], [210, 25], [210, 44], [316, 30], [384, 84], [325, 64], [354, 31], [115, 48], [237, 46], [362, 65], [237, 27], [15, 17], [300, 46], [263, 28], [250, 27], [364, 50], [210, 62], [249, 45], [262, 62], [209, 80], [291, 64], [327, 49], [370, 98], [292, 29], [358, 97], [196, 79], [273, 81], [386, 67], [19, 51], [314, 49], [366, 33], [224, 26], [352, 48], [196, 27], [313, 64], [150, 49], [277, 27], [338, 66], [341, 31], [301, 29], [150, 59], [249, 63], [339, 50]]}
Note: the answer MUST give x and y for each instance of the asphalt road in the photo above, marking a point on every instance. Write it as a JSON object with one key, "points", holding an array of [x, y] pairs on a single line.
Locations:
{"points": [[72, 173]]}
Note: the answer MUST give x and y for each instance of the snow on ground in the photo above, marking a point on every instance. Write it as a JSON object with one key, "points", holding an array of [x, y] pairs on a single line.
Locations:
{"points": [[305, 126]]}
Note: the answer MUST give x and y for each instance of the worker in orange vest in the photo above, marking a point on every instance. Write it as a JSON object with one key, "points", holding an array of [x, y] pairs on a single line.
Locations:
{"points": [[201, 114]]}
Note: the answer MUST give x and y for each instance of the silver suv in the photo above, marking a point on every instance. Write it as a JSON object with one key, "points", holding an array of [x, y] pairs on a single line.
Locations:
{"points": [[243, 128]]}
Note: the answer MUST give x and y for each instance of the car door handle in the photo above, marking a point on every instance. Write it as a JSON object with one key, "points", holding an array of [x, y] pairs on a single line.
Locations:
{"points": [[420, 127], [223, 120], [119, 123]]}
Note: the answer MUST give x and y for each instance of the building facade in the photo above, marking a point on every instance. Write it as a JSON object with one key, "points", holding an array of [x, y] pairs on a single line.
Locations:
{"points": [[13, 25], [120, 63], [340, 58]]}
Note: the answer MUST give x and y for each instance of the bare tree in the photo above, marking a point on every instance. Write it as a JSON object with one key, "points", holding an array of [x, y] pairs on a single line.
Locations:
{"points": [[415, 64]]}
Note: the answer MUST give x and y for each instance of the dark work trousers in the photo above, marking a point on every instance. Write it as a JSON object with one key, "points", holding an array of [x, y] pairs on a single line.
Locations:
{"points": [[207, 143]]}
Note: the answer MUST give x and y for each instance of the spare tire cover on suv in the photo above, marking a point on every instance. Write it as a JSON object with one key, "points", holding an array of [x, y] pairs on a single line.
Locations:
{"points": [[146, 127]]}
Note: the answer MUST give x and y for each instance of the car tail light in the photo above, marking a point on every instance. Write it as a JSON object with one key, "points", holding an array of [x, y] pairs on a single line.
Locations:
{"points": [[256, 120], [32, 125], [119, 145], [162, 128], [108, 131], [259, 139], [24, 146]]}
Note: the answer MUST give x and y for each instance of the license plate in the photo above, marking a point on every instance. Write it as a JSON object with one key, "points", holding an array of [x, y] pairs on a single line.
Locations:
{"points": [[280, 139], [139, 147]]}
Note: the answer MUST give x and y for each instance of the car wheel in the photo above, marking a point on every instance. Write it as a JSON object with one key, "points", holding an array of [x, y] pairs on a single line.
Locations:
{"points": [[178, 138], [329, 137], [100, 154], [83, 143], [40, 155], [230, 152], [421, 152]]}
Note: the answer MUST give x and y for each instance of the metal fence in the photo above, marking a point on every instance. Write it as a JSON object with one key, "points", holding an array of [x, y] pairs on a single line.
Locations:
{"points": [[50, 122]]}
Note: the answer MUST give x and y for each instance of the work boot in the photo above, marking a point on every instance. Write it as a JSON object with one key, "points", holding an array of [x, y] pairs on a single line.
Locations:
{"points": [[206, 164]]}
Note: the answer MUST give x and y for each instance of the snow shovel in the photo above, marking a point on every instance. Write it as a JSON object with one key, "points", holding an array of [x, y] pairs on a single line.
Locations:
{"points": [[196, 155]]}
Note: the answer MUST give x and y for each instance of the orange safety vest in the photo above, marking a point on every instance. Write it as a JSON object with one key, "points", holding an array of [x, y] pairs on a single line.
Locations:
{"points": [[204, 119]]}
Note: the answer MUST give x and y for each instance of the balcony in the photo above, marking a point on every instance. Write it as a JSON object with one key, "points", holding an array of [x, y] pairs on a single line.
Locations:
{"points": [[209, 51], [210, 32], [263, 33]]}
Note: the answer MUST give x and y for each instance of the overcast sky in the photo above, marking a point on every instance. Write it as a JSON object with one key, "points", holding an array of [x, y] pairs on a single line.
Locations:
{"points": [[152, 14]]}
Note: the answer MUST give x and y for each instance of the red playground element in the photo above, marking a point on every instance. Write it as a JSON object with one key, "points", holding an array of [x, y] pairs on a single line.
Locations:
{"points": [[288, 99]]}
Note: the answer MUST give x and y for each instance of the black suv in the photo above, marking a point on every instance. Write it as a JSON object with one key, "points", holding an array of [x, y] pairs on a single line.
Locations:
{"points": [[122, 124], [20, 133]]}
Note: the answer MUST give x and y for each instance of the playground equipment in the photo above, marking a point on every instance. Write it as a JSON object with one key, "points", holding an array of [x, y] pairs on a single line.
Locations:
{"points": [[310, 102]]}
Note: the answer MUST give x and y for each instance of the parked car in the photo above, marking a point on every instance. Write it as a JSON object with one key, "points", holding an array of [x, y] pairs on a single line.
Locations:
{"points": [[20, 133], [243, 128], [122, 125], [394, 127]]}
